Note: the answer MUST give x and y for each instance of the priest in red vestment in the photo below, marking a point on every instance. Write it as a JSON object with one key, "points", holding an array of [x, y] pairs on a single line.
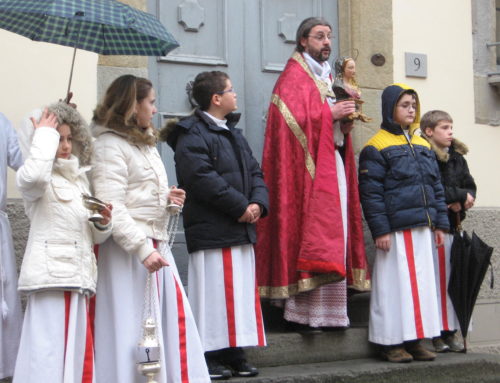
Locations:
{"points": [[311, 247]]}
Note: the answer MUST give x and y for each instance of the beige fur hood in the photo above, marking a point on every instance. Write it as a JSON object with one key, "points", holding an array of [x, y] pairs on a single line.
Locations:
{"points": [[82, 139], [443, 155], [133, 134]]}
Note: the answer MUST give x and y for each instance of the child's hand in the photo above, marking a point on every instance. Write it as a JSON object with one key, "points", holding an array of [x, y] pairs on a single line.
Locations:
{"points": [[177, 196], [439, 237], [48, 120], [469, 202], [247, 216], [383, 242], [256, 211], [106, 213], [455, 207], [154, 262]]}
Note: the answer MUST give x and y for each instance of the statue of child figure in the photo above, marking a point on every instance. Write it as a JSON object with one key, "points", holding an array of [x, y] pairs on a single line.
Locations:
{"points": [[346, 87]]}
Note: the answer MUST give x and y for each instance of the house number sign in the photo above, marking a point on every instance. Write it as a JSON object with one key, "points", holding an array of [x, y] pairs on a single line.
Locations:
{"points": [[416, 64]]}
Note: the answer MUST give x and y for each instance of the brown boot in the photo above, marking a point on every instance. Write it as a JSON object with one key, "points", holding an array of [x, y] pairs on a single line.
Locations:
{"points": [[419, 352], [452, 341], [439, 345], [395, 354]]}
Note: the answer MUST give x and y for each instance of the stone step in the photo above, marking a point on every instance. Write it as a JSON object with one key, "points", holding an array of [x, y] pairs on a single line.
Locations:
{"points": [[447, 368], [294, 348]]}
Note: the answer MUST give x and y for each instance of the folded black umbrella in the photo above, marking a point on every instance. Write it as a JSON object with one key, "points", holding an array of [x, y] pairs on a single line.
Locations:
{"points": [[469, 258]]}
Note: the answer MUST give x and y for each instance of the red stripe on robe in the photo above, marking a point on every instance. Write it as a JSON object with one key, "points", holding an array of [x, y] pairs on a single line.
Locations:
{"points": [[229, 292], [443, 288], [410, 256]]}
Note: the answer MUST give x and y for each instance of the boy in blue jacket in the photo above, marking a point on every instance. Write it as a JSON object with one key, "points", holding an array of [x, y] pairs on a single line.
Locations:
{"points": [[225, 197], [403, 203]]}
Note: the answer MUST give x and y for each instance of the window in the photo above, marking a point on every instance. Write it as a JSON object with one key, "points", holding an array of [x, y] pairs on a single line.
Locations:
{"points": [[486, 51]]}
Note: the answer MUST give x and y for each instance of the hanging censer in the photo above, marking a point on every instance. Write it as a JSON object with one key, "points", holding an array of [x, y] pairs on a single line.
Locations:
{"points": [[148, 350]]}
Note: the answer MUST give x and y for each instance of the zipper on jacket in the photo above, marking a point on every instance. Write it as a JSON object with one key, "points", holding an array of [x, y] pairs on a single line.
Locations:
{"points": [[426, 210], [421, 187]]}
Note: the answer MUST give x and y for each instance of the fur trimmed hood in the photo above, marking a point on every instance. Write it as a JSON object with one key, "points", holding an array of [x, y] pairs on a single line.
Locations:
{"points": [[174, 126], [133, 134], [167, 129], [82, 139], [444, 155]]}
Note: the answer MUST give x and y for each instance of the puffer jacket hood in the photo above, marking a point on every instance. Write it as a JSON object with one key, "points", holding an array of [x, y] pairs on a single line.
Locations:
{"points": [[390, 97], [82, 139], [172, 129]]}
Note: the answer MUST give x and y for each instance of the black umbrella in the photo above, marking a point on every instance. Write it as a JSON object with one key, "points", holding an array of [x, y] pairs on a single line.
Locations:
{"points": [[470, 258]]}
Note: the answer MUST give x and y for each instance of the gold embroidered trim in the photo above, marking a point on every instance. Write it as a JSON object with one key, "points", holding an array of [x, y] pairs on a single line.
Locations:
{"points": [[303, 285], [323, 87], [359, 281], [297, 131]]}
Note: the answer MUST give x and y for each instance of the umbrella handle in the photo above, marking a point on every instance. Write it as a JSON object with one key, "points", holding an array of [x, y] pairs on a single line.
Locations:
{"points": [[77, 14], [66, 100]]}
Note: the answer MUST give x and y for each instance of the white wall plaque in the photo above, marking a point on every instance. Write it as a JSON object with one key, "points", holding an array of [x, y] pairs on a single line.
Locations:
{"points": [[416, 64]]}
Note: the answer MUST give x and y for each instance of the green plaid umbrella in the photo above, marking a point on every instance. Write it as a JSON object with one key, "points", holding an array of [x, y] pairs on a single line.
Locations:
{"points": [[107, 27]]}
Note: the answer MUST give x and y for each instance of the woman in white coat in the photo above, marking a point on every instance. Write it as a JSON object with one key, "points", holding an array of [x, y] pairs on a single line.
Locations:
{"points": [[59, 268], [130, 174]]}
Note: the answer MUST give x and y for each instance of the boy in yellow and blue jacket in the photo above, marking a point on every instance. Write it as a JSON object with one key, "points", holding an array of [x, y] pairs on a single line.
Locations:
{"points": [[404, 206]]}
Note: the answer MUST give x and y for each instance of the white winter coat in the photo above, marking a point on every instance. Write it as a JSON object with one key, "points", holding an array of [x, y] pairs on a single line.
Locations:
{"points": [[59, 253], [129, 173]]}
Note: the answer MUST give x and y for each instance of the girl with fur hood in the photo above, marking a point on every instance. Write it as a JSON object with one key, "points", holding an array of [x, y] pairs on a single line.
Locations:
{"points": [[59, 270], [130, 174]]}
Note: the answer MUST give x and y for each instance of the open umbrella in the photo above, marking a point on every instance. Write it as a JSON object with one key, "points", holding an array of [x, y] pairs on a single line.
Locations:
{"points": [[470, 258], [107, 27]]}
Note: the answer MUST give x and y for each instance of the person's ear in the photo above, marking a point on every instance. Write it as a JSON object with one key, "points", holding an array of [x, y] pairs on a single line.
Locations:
{"points": [[216, 99], [428, 132], [303, 41]]}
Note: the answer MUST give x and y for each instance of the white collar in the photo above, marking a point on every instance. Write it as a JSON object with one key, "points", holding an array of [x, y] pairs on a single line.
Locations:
{"points": [[321, 70], [70, 168], [218, 122]]}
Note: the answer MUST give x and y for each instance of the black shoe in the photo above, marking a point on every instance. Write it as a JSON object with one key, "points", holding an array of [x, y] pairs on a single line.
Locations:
{"points": [[242, 368], [217, 371], [303, 329]]}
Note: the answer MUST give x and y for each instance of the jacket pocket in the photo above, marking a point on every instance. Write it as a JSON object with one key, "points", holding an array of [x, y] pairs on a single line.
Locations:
{"points": [[401, 164], [62, 258], [62, 191], [429, 164]]}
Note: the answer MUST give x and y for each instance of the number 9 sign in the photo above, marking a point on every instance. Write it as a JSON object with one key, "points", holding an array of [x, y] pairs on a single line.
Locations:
{"points": [[416, 64]]}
